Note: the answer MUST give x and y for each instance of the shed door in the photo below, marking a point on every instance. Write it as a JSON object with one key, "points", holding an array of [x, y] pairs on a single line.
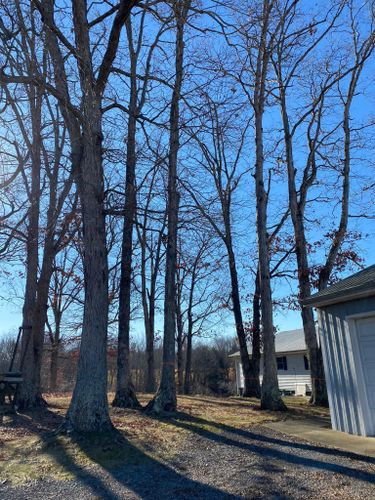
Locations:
{"points": [[366, 340]]}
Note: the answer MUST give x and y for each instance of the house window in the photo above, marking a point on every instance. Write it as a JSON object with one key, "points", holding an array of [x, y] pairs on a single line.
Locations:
{"points": [[306, 361], [282, 363]]}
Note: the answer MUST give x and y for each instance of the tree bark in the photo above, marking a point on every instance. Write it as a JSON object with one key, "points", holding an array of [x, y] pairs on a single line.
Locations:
{"points": [[150, 368], [298, 194], [165, 398], [88, 410], [270, 397], [27, 396], [55, 348], [189, 352], [180, 344], [180, 366], [240, 330], [255, 346], [40, 318], [319, 391], [125, 396], [326, 270], [149, 298]]}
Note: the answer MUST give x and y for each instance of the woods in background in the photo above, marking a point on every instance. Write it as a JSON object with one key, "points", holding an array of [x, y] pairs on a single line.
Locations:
{"points": [[211, 372], [171, 171]]}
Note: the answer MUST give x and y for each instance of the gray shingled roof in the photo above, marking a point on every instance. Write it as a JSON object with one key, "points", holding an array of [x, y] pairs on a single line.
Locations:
{"points": [[289, 341], [356, 286]]}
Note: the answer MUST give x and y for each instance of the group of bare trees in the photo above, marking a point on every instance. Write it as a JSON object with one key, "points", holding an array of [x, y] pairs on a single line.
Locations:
{"points": [[183, 161]]}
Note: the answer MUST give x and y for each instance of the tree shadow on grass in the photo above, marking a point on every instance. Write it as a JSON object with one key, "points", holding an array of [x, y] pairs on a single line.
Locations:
{"points": [[185, 417], [120, 467], [118, 464], [296, 411], [201, 427], [246, 403]]}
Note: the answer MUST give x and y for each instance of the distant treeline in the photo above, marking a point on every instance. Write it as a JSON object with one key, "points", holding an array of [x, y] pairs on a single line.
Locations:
{"points": [[212, 369]]}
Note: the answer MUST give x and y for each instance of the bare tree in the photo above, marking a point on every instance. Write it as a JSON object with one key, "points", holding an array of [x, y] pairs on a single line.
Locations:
{"points": [[151, 239], [65, 289], [88, 409], [221, 160], [270, 397], [125, 395], [165, 398], [197, 298], [294, 46], [48, 185]]}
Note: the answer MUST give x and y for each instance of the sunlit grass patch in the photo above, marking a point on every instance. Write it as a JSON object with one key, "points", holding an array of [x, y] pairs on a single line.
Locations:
{"points": [[66, 457]]}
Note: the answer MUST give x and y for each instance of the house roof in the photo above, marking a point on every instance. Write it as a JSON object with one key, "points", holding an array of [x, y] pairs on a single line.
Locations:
{"points": [[289, 341], [356, 286]]}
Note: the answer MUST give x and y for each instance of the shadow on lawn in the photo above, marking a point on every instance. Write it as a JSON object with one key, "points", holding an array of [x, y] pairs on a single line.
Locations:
{"points": [[224, 401], [294, 410], [122, 463], [199, 426]]}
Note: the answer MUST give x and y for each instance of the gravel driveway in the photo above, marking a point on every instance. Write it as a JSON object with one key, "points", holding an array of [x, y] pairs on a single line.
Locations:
{"points": [[256, 463]]}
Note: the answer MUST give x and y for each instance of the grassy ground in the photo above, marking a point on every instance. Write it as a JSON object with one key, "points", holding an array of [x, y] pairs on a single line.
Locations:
{"points": [[29, 449]]}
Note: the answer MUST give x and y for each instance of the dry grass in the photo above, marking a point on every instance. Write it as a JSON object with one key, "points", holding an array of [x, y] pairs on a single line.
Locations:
{"points": [[29, 449]]}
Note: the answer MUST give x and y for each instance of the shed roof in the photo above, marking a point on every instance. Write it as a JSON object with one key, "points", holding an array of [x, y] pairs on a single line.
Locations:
{"points": [[288, 341], [356, 286]]}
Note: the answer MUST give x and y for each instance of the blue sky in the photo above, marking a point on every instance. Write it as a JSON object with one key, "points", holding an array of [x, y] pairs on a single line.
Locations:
{"points": [[11, 288]]}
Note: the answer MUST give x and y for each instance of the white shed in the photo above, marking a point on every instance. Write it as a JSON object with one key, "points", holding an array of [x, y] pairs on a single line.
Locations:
{"points": [[346, 313]]}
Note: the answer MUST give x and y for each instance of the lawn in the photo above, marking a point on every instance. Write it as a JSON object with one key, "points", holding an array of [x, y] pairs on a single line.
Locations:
{"points": [[30, 450]]}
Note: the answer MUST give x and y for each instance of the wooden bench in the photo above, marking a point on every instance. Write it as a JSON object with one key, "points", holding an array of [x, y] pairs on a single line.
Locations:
{"points": [[10, 380], [8, 386]]}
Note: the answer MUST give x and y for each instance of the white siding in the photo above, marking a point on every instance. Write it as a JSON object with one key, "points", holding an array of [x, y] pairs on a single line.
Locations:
{"points": [[366, 338], [288, 379], [345, 373]]}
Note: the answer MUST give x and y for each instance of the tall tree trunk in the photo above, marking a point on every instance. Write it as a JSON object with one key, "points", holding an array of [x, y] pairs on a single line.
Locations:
{"points": [[297, 195], [326, 270], [150, 360], [53, 367], [26, 396], [40, 319], [148, 305], [319, 391], [148, 317], [180, 366], [255, 356], [55, 348], [179, 327], [125, 396], [240, 330], [270, 397], [149, 321], [88, 410], [189, 352], [165, 398]]}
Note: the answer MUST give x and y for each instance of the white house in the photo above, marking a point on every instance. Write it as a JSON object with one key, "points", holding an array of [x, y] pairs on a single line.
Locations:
{"points": [[292, 364], [346, 313]]}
